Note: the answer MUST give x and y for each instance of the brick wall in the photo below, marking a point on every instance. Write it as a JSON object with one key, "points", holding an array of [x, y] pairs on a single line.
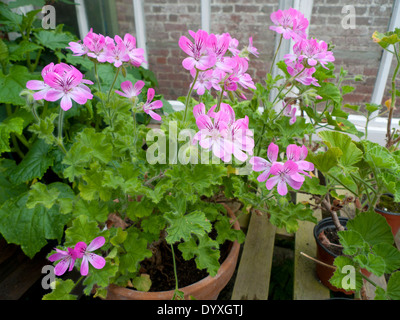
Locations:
{"points": [[167, 20]]}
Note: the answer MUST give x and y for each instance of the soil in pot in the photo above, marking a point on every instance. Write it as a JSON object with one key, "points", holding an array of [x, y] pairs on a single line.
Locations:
{"points": [[328, 248], [162, 271]]}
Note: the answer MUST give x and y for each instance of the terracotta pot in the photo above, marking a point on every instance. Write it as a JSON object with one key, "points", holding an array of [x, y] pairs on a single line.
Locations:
{"points": [[325, 255], [205, 289], [392, 218]]}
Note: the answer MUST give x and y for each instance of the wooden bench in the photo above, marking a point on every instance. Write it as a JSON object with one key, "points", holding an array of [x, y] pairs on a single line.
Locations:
{"points": [[18, 273], [254, 271]]}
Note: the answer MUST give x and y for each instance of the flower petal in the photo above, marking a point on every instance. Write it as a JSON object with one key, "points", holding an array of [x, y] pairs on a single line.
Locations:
{"points": [[96, 261], [96, 243]]}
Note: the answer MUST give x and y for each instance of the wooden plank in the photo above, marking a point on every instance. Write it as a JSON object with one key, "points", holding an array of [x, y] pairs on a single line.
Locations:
{"points": [[370, 288], [306, 283], [254, 272]]}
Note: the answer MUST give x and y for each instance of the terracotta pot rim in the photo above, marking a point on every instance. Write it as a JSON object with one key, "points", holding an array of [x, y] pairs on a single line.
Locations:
{"points": [[232, 256], [387, 212], [317, 230]]}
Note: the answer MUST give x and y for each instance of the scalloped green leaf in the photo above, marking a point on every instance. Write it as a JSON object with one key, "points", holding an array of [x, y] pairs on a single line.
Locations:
{"points": [[62, 291]]}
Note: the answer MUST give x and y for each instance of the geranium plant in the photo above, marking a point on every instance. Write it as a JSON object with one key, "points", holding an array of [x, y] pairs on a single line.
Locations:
{"points": [[366, 170]]}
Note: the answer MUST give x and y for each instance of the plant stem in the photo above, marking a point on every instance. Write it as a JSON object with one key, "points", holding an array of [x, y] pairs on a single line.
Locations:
{"points": [[276, 53], [190, 93], [175, 273], [112, 86], [389, 142], [60, 142]]}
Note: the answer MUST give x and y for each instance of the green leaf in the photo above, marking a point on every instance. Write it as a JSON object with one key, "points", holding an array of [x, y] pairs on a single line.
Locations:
{"points": [[390, 254], [9, 190], [119, 238], [30, 228], [99, 277], [393, 286], [372, 227], [53, 40], [35, 163], [3, 50], [183, 226], [351, 241], [19, 51], [62, 291], [45, 128], [136, 251], [372, 263], [225, 231], [329, 91], [94, 210], [378, 156], [98, 144], [8, 126], [351, 154], [13, 83], [142, 282], [41, 195], [82, 229], [327, 160], [21, 3], [76, 159], [346, 276], [206, 253]]}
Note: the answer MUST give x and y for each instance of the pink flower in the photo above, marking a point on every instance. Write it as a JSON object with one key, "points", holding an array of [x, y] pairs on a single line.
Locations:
{"points": [[149, 106], [117, 52], [67, 260], [96, 45], [214, 135], [200, 56], [78, 48], [251, 49], [85, 252], [260, 164], [297, 155], [290, 23], [283, 175], [41, 85], [310, 52], [130, 91], [136, 55], [242, 139], [305, 77], [290, 112], [67, 84], [239, 76], [219, 45], [203, 82]]}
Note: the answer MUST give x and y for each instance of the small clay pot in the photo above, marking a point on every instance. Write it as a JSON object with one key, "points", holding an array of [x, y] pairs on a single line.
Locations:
{"points": [[325, 255], [205, 289], [392, 218]]}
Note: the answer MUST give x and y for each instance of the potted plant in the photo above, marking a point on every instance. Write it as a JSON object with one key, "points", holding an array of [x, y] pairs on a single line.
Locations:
{"points": [[368, 172], [149, 208]]}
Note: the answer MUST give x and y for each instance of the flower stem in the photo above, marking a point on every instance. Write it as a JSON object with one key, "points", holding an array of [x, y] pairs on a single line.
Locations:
{"points": [[60, 129], [175, 273], [190, 93], [112, 86], [276, 53]]}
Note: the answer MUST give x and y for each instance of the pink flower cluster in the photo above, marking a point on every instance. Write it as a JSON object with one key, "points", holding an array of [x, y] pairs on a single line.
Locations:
{"points": [[80, 251], [61, 81], [112, 50], [307, 53], [131, 91], [222, 133], [289, 173], [208, 56]]}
